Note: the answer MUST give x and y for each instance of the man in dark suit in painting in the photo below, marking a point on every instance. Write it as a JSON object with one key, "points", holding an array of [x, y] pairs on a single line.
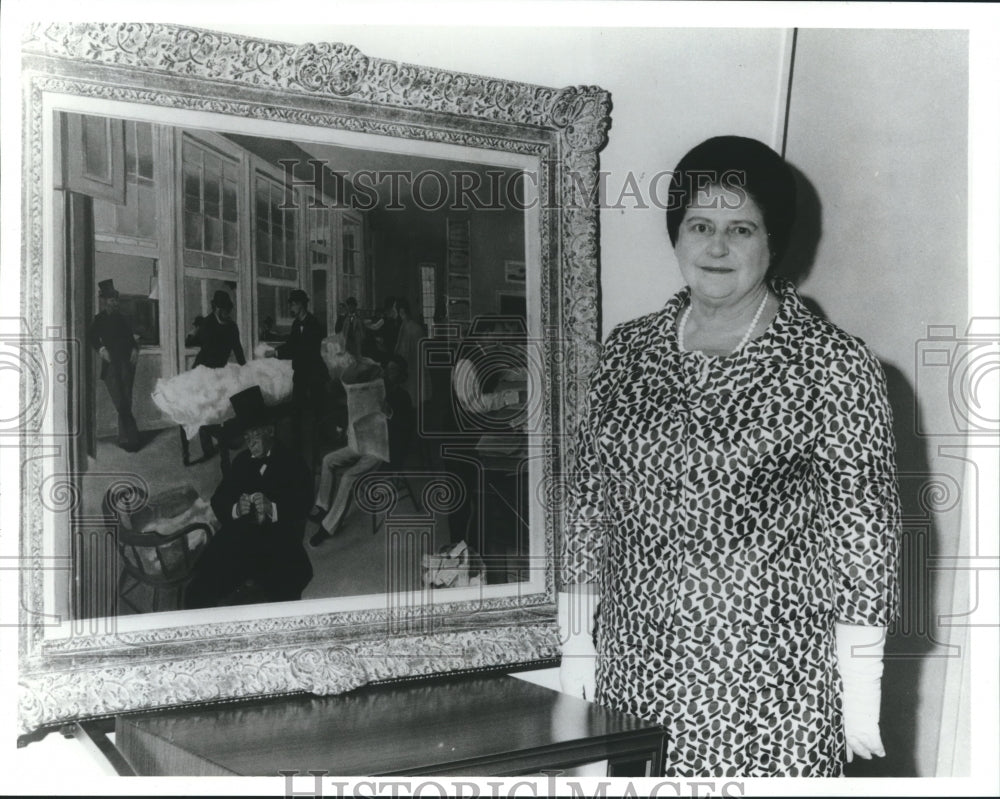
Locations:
{"points": [[217, 335], [110, 334], [309, 374], [262, 504]]}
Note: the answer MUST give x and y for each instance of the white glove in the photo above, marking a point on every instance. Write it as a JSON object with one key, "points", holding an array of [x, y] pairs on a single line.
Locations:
{"points": [[579, 658], [859, 656]]}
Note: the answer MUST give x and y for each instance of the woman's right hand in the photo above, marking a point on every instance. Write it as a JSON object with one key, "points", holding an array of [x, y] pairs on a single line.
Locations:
{"points": [[859, 659], [577, 670]]}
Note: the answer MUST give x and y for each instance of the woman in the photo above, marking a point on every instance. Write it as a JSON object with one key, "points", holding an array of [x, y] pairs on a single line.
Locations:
{"points": [[736, 501]]}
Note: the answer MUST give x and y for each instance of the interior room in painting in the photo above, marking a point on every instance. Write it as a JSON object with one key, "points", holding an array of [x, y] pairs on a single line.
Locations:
{"points": [[200, 212]]}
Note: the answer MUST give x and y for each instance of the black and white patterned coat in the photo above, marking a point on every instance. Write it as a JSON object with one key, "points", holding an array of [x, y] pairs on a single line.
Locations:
{"points": [[732, 509]]}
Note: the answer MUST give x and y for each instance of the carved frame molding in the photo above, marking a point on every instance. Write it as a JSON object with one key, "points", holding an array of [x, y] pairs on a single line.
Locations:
{"points": [[331, 85]]}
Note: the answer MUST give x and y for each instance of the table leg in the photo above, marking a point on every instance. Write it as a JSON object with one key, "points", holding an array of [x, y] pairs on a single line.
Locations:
{"points": [[632, 766]]}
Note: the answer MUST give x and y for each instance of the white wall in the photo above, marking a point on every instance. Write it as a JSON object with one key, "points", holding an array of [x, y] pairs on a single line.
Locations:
{"points": [[670, 88], [878, 124]]}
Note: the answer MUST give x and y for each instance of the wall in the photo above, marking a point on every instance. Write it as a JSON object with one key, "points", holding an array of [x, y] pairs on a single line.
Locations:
{"points": [[888, 219]]}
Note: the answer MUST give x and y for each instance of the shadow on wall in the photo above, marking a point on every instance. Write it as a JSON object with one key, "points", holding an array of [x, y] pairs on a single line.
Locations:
{"points": [[806, 232], [909, 642]]}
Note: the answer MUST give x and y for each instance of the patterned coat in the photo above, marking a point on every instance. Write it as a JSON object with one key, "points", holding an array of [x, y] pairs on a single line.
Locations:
{"points": [[733, 509]]}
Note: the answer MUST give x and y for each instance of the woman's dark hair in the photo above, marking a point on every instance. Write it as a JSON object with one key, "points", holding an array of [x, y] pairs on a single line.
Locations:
{"points": [[739, 166]]}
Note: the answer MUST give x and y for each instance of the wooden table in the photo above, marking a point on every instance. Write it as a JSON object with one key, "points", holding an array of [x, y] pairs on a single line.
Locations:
{"points": [[464, 725]]}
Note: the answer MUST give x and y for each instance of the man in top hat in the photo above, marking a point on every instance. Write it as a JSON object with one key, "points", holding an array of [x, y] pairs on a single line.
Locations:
{"points": [[217, 335], [110, 334], [309, 374], [262, 504]]}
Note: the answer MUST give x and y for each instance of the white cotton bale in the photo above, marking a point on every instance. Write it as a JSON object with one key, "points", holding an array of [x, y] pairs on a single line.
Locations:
{"points": [[201, 396], [261, 350], [334, 356]]}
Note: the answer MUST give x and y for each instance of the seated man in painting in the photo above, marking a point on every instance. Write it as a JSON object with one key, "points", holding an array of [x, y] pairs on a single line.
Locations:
{"points": [[262, 503], [373, 439]]}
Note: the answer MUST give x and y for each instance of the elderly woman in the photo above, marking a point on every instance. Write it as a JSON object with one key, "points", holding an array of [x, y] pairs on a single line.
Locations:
{"points": [[736, 500]]}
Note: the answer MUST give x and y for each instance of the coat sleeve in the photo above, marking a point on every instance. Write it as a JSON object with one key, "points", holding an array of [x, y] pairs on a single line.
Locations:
{"points": [[288, 350], [229, 489], [856, 474], [131, 334], [94, 334], [586, 514], [240, 356]]}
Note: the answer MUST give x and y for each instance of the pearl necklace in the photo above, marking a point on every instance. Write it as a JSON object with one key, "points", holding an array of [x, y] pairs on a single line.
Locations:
{"points": [[743, 341]]}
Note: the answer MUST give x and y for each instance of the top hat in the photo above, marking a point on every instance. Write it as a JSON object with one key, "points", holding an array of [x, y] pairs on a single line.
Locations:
{"points": [[221, 299], [250, 408], [299, 296], [107, 289]]}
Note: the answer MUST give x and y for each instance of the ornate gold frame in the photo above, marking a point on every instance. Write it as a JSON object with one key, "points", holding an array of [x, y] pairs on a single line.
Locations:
{"points": [[100, 674]]}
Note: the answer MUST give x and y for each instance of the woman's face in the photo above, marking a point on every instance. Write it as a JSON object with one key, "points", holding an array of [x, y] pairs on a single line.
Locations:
{"points": [[722, 251]]}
